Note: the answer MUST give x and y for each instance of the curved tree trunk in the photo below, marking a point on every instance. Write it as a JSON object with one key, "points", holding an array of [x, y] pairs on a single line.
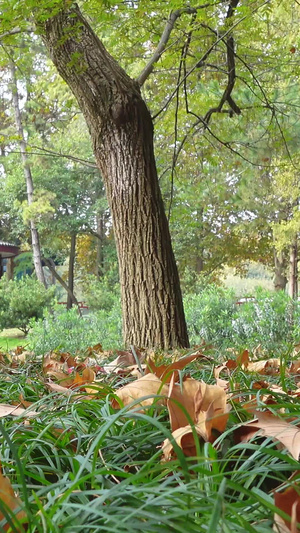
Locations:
{"points": [[122, 135]]}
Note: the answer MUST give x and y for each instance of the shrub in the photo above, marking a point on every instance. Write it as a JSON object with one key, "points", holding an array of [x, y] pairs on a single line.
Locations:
{"points": [[23, 300], [271, 320], [101, 294], [209, 315], [67, 331]]}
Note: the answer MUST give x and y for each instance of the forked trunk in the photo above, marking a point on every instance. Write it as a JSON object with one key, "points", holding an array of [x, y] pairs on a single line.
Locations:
{"points": [[122, 135]]}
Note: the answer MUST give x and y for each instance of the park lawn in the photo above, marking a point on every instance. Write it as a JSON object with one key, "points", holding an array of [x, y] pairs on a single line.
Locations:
{"points": [[11, 338]]}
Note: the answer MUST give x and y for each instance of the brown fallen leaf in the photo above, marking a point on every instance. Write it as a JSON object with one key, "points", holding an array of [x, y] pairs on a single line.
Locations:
{"points": [[54, 387], [165, 372], [295, 367], [185, 437], [289, 502], [15, 410], [243, 358], [266, 366], [268, 425], [88, 376], [11, 501], [145, 386], [193, 398]]}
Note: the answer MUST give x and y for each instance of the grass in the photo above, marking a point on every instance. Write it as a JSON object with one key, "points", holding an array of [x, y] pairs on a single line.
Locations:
{"points": [[11, 338], [81, 464]]}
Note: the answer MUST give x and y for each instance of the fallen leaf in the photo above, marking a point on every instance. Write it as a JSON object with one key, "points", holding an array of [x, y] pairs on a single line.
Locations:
{"points": [[295, 367], [268, 425], [88, 376], [15, 410], [243, 359], [165, 372], [145, 386], [289, 502], [195, 397], [266, 366], [185, 438], [8, 497]]}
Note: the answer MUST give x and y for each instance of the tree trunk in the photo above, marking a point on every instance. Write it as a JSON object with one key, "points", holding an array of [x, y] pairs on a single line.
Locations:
{"points": [[122, 135], [37, 260], [293, 281], [71, 270], [50, 264], [280, 279], [99, 244]]}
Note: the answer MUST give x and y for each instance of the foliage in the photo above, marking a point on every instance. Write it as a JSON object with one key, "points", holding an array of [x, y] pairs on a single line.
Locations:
{"points": [[23, 300], [103, 293], [271, 320], [67, 331]]}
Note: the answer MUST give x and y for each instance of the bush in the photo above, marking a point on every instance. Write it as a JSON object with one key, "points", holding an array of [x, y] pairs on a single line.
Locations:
{"points": [[23, 300], [102, 294], [271, 320], [67, 331], [210, 314]]}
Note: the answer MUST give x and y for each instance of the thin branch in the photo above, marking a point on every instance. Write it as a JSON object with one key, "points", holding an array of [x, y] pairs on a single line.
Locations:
{"points": [[203, 58], [165, 38], [15, 31]]}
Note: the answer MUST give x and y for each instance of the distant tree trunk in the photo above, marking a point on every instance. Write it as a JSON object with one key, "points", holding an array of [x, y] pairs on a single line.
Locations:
{"points": [[100, 243], [37, 260], [10, 268], [71, 270], [293, 278], [122, 135], [50, 264], [280, 278]]}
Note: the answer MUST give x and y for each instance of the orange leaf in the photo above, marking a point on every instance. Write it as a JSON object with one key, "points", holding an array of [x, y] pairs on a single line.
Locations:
{"points": [[289, 502], [243, 358], [8, 497], [165, 372]]}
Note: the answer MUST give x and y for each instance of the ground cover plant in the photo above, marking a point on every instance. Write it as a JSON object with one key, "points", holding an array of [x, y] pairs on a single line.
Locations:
{"points": [[149, 441]]}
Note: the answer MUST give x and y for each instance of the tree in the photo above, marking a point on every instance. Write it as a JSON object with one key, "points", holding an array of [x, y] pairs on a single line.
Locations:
{"points": [[122, 135], [37, 259]]}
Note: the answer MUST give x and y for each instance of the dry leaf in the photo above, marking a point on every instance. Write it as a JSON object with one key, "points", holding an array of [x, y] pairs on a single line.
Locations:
{"points": [[165, 372], [13, 410], [9, 498], [266, 366], [88, 376], [268, 425], [184, 437], [289, 502], [295, 367], [194, 397], [145, 386], [243, 359]]}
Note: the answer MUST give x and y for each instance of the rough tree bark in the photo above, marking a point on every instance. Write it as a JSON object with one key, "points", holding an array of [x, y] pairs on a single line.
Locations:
{"points": [[121, 129], [35, 243], [280, 279]]}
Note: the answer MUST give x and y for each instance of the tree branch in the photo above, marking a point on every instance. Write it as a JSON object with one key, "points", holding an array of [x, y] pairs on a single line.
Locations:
{"points": [[15, 31], [174, 15]]}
